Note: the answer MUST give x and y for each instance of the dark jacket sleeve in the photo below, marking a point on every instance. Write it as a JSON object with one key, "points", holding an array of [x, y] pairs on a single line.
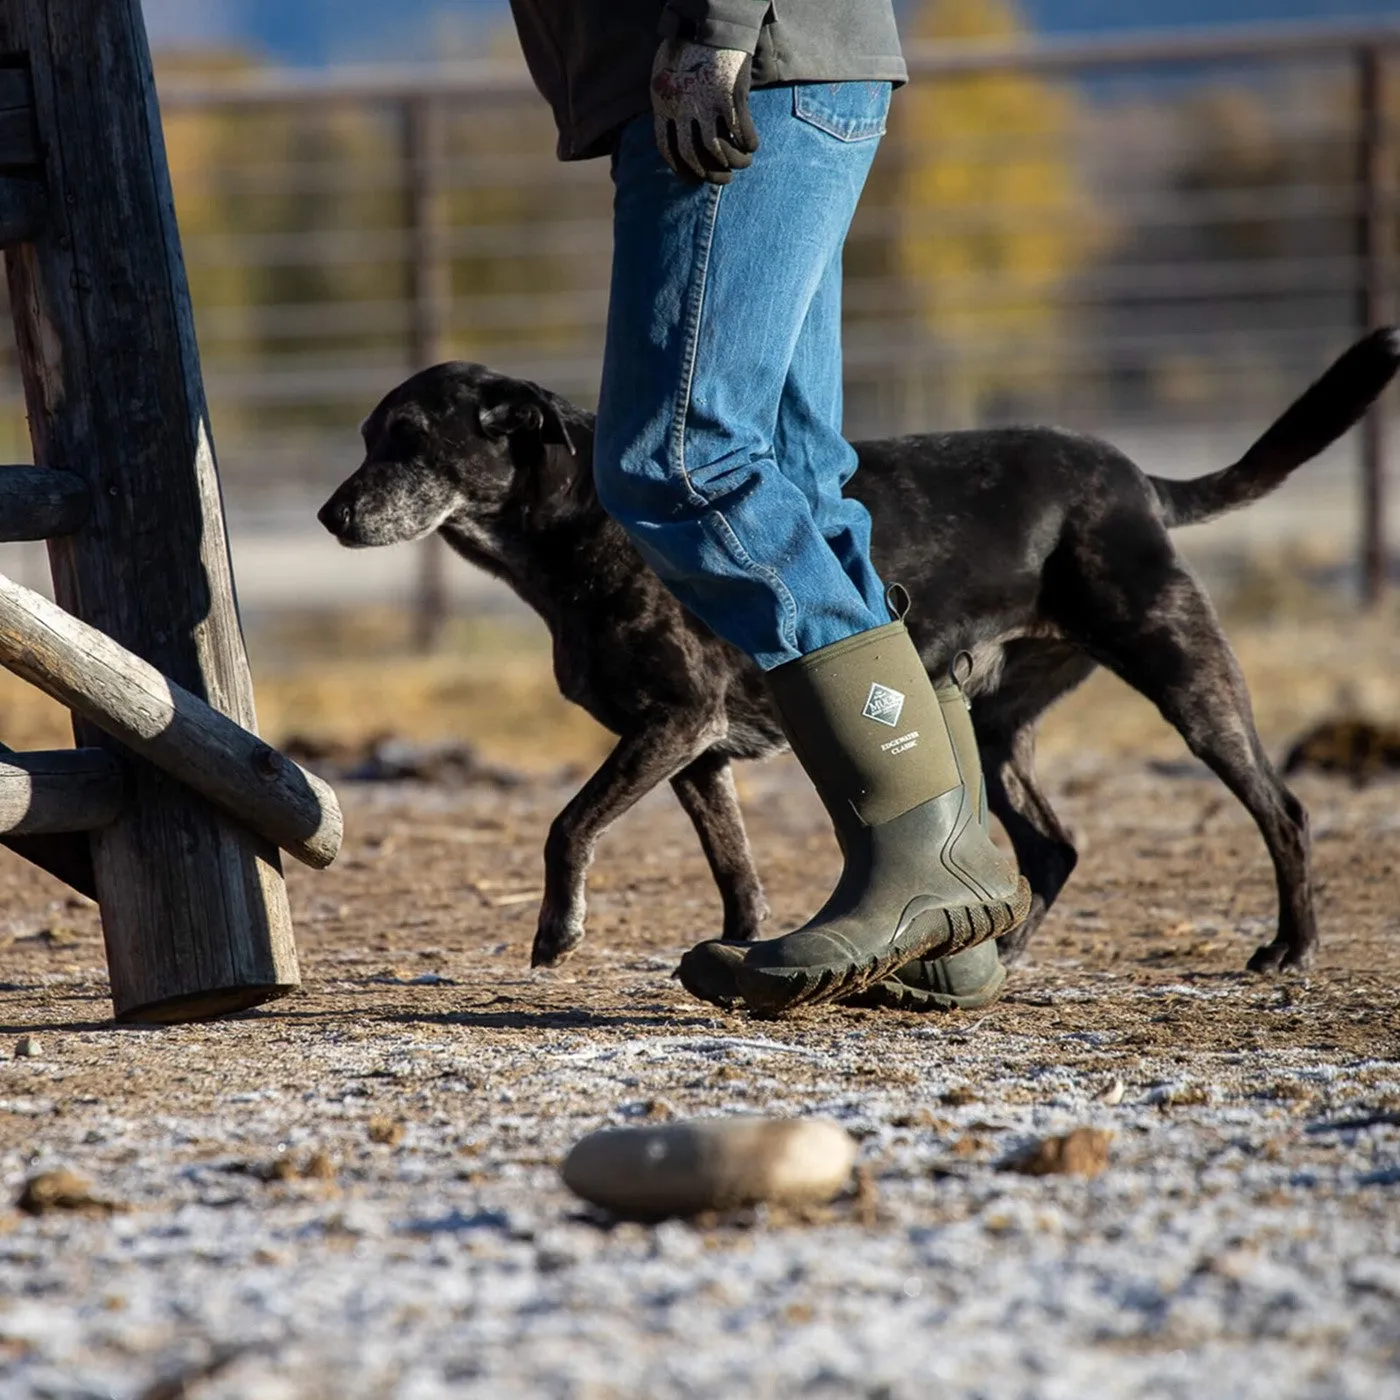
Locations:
{"points": [[722, 24]]}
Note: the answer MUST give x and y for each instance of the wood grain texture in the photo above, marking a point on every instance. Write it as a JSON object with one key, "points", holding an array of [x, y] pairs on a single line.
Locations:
{"points": [[128, 699], [194, 907], [66, 790], [37, 503]]}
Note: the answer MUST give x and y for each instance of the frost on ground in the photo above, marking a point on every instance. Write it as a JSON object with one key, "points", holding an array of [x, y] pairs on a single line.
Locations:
{"points": [[354, 1192]]}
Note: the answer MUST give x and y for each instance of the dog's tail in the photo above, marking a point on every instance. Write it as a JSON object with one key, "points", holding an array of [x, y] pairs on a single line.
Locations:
{"points": [[1312, 423]]}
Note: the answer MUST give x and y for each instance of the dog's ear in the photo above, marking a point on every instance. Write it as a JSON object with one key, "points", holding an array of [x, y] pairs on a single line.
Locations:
{"points": [[549, 484], [514, 407]]}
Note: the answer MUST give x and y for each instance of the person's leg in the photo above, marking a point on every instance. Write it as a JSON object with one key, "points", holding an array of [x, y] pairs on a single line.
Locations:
{"points": [[809, 445], [711, 292]]}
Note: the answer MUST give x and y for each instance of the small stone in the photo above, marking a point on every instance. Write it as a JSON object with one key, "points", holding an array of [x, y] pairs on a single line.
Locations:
{"points": [[27, 1047], [711, 1164], [61, 1189], [1083, 1152], [1111, 1094]]}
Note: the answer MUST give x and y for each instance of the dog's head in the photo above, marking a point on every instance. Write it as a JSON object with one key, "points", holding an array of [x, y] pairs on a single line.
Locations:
{"points": [[458, 444]]}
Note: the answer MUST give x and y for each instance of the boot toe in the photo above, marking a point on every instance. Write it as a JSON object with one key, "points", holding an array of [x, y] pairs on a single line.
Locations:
{"points": [[805, 949], [707, 971]]}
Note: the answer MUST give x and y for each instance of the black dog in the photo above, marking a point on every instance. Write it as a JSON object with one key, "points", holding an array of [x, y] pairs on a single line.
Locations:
{"points": [[1039, 552]]}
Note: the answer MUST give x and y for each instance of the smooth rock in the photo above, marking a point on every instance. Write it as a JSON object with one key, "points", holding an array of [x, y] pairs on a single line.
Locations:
{"points": [[28, 1048], [711, 1164], [61, 1190]]}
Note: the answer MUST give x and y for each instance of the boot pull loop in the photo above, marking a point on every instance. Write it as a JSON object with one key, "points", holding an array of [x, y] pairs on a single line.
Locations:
{"points": [[960, 672], [897, 600]]}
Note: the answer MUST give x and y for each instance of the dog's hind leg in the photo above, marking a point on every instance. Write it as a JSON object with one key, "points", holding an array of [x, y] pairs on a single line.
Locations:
{"points": [[706, 791], [636, 765], [1176, 654], [1034, 673], [1044, 849]]}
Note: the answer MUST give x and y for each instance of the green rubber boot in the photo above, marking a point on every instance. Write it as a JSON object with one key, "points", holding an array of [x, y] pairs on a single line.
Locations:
{"points": [[922, 878], [966, 981]]}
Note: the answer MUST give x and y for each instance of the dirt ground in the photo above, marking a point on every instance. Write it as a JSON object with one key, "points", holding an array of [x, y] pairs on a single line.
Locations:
{"points": [[354, 1192]]}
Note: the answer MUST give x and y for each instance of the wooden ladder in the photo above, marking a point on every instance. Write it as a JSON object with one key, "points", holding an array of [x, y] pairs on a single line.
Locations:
{"points": [[171, 810]]}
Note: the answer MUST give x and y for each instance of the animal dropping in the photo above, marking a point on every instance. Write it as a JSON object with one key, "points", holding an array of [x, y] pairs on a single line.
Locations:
{"points": [[710, 1164]]}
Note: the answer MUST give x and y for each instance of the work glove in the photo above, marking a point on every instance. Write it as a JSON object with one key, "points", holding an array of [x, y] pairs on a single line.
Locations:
{"points": [[700, 106]]}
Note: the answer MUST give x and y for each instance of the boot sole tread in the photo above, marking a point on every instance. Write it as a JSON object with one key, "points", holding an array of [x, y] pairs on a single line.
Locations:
{"points": [[775, 991]]}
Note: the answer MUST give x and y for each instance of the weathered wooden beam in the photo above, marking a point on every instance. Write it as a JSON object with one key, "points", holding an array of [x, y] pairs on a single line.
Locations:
{"points": [[63, 791], [66, 858], [22, 208], [194, 908], [37, 503], [165, 724]]}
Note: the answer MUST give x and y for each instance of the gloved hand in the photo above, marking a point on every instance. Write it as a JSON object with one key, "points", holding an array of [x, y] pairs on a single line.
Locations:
{"points": [[700, 104]]}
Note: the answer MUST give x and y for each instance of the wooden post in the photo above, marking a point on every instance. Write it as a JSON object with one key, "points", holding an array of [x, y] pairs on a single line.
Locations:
{"points": [[194, 908], [1373, 232], [430, 300]]}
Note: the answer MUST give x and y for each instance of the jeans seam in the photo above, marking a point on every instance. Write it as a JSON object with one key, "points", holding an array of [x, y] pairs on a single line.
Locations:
{"points": [[714, 518], [693, 313]]}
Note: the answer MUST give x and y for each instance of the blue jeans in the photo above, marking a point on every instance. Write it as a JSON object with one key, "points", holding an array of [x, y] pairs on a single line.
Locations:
{"points": [[719, 446]]}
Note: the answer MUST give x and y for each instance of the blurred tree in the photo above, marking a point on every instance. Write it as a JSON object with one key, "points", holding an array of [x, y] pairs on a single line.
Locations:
{"points": [[990, 220]]}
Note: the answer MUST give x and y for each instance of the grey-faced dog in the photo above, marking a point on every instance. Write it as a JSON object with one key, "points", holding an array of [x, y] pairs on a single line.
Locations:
{"points": [[1040, 553]]}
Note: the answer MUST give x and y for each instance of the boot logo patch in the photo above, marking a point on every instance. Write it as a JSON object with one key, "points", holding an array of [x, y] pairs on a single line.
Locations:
{"points": [[884, 705]]}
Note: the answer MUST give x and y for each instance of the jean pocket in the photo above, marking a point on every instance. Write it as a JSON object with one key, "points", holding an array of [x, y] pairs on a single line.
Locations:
{"points": [[847, 111]]}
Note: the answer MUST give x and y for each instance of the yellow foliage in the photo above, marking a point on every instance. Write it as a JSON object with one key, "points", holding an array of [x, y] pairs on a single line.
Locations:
{"points": [[992, 218]]}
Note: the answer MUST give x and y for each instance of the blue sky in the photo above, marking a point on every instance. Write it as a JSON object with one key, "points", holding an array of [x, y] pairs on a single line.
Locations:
{"points": [[325, 31]]}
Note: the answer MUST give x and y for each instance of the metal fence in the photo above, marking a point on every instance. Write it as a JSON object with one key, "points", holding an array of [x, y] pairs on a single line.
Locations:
{"points": [[1164, 234]]}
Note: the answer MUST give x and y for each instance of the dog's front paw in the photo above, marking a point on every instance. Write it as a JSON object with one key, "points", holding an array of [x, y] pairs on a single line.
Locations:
{"points": [[555, 940], [1282, 955], [744, 925]]}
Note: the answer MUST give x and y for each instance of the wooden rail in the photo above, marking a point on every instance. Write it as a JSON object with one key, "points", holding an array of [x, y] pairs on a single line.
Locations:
{"points": [[37, 503], [128, 699], [44, 794]]}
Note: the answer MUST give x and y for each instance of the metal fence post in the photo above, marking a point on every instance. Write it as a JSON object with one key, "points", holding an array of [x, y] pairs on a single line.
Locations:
{"points": [[1373, 234], [430, 300]]}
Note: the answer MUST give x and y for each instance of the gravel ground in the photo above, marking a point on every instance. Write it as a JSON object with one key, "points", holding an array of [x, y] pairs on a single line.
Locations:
{"points": [[354, 1192]]}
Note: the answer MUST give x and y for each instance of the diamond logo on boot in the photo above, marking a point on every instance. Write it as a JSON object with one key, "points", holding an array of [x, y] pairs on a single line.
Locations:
{"points": [[884, 705]]}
